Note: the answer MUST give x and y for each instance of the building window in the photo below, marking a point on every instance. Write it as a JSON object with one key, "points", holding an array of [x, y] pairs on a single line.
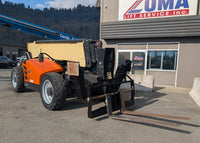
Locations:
{"points": [[123, 56], [162, 60], [157, 60]]}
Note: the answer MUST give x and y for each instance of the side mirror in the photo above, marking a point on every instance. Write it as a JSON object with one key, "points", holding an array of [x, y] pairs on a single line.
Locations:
{"points": [[41, 57]]}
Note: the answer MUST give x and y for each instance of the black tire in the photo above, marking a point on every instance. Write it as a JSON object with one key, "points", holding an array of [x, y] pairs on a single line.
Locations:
{"points": [[17, 79], [53, 91]]}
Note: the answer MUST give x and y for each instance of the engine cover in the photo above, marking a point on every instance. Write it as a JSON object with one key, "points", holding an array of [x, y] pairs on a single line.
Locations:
{"points": [[34, 70]]}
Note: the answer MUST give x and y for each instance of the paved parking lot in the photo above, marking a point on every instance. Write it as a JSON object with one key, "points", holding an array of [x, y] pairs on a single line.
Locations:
{"points": [[23, 119]]}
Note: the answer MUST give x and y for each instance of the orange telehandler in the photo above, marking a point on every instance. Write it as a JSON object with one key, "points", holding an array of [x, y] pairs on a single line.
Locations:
{"points": [[60, 69]]}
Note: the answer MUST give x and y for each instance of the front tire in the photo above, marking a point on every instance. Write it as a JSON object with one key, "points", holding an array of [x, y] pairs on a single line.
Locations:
{"points": [[53, 91], [17, 79]]}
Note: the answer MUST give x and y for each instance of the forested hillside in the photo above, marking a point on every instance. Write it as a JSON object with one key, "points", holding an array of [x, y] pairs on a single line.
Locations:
{"points": [[82, 22]]}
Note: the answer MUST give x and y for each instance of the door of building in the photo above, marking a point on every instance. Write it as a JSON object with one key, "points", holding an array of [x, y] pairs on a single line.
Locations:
{"points": [[138, 60]]}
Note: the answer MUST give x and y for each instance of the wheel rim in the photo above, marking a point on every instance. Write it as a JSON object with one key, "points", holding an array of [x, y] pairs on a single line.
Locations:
{"points": [[47, 91], [14, 80]]}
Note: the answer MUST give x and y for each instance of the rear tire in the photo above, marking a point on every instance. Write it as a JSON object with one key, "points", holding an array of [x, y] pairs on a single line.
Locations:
{"points": [[17, 79], [53, 91]]}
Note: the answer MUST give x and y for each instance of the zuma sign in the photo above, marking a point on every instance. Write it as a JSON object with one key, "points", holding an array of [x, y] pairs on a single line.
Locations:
{"points": [[143, 9]]}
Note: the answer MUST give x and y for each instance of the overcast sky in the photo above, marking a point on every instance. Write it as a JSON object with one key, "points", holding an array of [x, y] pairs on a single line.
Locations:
{"points": [[54, 3]]}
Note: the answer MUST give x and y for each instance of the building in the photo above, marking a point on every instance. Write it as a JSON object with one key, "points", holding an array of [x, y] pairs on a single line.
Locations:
{"points": [[12, 51], [161, 37]]}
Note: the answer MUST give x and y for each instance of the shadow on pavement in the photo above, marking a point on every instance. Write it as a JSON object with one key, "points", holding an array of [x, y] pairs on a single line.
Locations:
{"points": [[147, 98], [72, 104]]}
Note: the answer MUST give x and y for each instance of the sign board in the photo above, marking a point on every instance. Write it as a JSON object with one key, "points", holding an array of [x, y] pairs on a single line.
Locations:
{"points": [[145, 9]]}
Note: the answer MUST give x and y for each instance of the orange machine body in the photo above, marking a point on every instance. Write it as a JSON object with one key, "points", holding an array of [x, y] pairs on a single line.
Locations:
{"points": [[34, 70]]}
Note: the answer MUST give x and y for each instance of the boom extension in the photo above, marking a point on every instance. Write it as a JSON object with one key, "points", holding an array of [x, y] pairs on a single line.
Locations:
{"points": [[34, 29]]}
